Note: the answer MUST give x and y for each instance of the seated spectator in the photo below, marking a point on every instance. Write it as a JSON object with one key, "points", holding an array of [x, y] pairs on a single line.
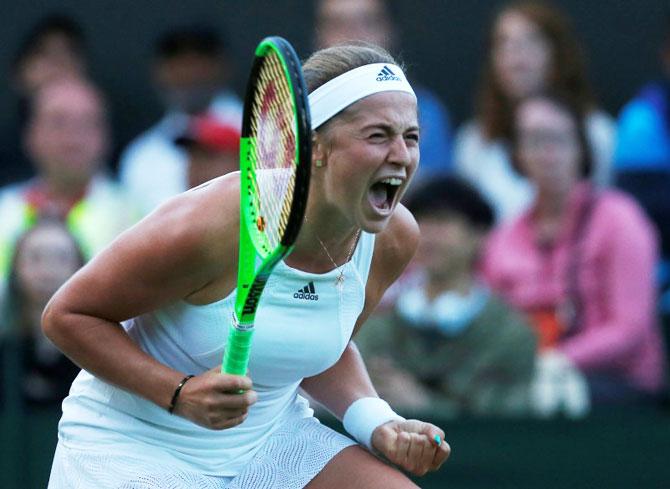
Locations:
{"points": [[44, 258], [191, 73], [451, 345], [66, 138], [339, 21], [642, 157], [531, 48], [213, 149], [53, 49], [580, 262]]}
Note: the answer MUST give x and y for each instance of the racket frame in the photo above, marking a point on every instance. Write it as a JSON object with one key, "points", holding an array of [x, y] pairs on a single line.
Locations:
{"points": [[256, 258]]}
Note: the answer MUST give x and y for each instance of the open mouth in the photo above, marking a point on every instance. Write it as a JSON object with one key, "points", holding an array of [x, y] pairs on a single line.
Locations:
{"points": [[382, 194]]}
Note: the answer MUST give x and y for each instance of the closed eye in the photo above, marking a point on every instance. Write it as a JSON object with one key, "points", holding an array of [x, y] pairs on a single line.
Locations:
{"points": [[377, 136], [413, 136]]}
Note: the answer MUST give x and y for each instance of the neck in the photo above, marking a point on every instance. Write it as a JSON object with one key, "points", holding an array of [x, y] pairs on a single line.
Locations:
{"points": [[459, 281], [551, 204], [323, 243], [65, 190]]}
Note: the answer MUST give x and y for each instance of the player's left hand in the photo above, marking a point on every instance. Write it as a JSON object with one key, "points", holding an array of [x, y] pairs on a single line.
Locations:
{"points": [[411, 445]]}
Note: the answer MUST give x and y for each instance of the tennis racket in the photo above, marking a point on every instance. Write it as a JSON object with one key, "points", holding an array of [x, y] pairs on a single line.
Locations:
{"points": [[275, 159]]}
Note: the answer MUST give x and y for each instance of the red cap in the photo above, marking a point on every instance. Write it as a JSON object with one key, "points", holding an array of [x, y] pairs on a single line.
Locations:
{"points": [[208, 131]]}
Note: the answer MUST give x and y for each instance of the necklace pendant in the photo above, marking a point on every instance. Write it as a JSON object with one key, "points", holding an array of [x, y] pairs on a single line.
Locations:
{"points": [[339, 280]]}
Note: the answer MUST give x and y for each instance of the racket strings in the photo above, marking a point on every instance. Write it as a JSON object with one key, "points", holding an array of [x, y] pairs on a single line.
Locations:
{"points": [[273, 129]]}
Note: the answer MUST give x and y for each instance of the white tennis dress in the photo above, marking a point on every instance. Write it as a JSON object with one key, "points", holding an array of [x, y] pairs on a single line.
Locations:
{"points": [[110, 438]]}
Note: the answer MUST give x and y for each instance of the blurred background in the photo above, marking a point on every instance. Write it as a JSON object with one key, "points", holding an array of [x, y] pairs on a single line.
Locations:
{"points": [[443, 43], [532, 325]]}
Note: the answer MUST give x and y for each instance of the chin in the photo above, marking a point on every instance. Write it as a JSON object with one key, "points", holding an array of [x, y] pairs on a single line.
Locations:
{"points": [[373, 229], [376, 224]]}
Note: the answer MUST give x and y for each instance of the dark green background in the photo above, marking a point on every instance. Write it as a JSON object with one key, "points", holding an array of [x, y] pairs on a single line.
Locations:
{"points": [[612, 449]]}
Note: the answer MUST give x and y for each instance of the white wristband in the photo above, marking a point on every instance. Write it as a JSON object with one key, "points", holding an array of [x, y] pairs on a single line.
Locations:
{"points": [[364, 415]]}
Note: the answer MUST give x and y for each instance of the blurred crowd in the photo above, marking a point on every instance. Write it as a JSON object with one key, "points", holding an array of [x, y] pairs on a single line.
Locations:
{"points": [[541, 286]]}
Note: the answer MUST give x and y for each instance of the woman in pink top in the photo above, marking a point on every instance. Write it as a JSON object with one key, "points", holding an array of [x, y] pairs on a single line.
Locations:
{"points": [[581, 261]]}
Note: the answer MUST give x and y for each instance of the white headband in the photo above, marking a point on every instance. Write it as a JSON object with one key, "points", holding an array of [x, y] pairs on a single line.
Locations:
{"points": [[342, 91]]}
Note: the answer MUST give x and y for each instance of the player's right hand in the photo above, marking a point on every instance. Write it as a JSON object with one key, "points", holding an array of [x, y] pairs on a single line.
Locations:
{"points": [[213, 400]]}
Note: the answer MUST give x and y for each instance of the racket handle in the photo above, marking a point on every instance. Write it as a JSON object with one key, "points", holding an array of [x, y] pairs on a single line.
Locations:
{"points": [[236, 355]]}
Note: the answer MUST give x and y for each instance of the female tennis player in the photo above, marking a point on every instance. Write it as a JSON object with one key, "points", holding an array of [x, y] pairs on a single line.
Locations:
{"points": [[153, 309]]}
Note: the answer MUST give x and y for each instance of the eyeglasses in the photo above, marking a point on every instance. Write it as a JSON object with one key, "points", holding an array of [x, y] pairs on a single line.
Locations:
{"points": [[541, 139]]}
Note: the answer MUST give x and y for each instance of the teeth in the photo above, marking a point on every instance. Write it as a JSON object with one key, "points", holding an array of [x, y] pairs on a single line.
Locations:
{"points": [[392, 181]]}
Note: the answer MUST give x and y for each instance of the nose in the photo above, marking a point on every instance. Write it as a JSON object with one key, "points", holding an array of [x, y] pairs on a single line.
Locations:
{"points": [[399, 152]]}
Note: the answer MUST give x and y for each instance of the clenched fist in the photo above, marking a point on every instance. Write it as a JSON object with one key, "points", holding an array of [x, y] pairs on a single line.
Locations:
{"points": [[411, 445]]}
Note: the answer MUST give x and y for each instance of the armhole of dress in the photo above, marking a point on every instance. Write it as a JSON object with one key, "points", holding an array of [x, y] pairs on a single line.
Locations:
{"points": [[362, 258]]}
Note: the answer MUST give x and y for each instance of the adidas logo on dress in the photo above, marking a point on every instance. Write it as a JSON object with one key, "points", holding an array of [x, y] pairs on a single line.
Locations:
{"points": [[308, 293], [386, 75]]}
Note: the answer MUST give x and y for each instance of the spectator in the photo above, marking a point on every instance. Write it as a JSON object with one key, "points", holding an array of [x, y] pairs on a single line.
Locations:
{"points": [[213, 149], [53, 49], [66, 138], [338, 21], [580, 261], [44, 258], [642, 157], [531, 48], [451, 344], [191, 73]]}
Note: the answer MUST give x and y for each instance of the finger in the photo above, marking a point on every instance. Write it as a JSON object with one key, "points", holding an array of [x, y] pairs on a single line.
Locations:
{"points": [[224, 423], [237, 420], [217, 405], [385, 440], [434, 434], [227, 382], [233, 383], [219, 370], [244, 400], [417, 444], [441, 455], [222, 414], [402, 448], [428, 456]]}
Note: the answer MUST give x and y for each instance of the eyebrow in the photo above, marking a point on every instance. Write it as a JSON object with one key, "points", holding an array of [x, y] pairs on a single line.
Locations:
{"points": [[387, 127]]}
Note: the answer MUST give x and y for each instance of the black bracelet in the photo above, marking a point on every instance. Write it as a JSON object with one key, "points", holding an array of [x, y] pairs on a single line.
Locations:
{"points": [[175, 396]]}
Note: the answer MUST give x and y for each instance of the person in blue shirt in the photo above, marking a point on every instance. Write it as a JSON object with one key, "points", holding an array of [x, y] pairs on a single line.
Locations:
{"points": [[339, 21], [642, 156]]}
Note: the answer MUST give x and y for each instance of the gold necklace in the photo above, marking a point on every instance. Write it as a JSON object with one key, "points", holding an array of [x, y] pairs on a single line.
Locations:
{"points": [[339, 280]]}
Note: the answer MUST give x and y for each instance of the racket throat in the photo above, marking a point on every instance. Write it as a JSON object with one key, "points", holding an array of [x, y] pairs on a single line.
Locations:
{"points": [[241, 326]]}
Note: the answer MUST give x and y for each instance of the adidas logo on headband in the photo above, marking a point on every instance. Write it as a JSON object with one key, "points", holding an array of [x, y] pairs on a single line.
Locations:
{"points": [[348, 88], [386, 75]]}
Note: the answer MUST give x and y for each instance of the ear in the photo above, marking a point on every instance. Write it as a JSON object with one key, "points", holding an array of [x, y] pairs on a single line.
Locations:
{"points": [[318, 151]]}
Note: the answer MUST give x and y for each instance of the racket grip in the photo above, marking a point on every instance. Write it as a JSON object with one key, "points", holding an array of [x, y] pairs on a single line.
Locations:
{"points": [[236, 355]]}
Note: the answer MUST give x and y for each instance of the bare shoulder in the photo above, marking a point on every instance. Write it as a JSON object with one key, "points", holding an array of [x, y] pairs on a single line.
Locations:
{"points": [[205, 220], [199, 222], [211, 210], [185, 249]]}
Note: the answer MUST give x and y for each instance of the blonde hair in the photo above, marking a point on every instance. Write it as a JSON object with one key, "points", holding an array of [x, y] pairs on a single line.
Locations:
{"points": [[329, 63]]}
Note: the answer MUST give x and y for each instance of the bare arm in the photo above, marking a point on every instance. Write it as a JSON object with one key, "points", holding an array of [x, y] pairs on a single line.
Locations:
{"points": [[176, 253], [408, 444], [348, 380]]}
